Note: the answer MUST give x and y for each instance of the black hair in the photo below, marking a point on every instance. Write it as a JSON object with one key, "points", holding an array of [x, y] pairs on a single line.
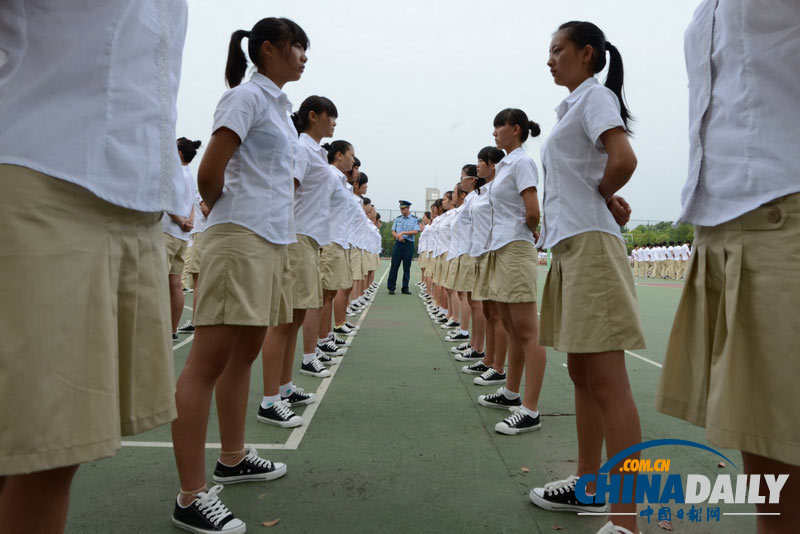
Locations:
{"points": [[277, 31], [317, 104], [188, 148], [584, 33], [470, 169], [448, 195], [428, 215], [336, 147], [356, 162], [377, 216], [362, 179], [517, 117], [438, 205], [366, 200], [490, 154]]}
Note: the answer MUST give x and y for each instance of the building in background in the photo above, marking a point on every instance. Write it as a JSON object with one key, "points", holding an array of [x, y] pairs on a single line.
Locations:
{"points": [[431, 195]]}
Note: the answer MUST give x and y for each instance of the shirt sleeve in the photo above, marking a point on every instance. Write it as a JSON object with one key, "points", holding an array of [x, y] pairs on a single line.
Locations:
{"points": [[237, 111], [526, 175], [301, 163], [601, 112]]}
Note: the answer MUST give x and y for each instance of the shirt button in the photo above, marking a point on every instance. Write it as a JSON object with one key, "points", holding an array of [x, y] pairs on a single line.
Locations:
{"points": [[774, 216]]}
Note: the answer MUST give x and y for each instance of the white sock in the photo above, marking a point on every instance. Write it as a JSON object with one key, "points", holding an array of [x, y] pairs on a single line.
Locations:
{"points": [[444, 310], [323, 340], [308, 357], [465, 332], [266, 402], [510, 395], [287, 388], [532, 413]]}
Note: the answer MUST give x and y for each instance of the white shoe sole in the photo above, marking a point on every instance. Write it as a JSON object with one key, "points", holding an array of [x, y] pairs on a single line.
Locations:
{"points": [[456, 350], [500, 428], [278, 472], [283, 424], [333, 354], [332, 362], [459, 340], [555, 507], [241, 529], [466, 370], [324, 374], [461, 358]]}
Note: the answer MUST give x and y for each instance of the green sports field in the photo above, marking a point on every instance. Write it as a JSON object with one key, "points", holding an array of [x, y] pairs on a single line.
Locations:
{"points": [[398, 444]]}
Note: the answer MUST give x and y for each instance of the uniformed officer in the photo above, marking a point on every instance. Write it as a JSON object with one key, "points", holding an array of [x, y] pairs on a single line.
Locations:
{"points": [[404, 228]]}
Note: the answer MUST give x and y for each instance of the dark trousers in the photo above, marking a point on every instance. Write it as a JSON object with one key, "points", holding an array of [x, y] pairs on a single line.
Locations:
{"points": [[402, 252]]}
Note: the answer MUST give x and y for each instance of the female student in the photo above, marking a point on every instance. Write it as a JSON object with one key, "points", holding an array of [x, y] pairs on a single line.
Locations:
{"points": [[314, 184], [586, 160], [510, 271], [490, 364], [85, 177], [246, 179], [732, 358]]}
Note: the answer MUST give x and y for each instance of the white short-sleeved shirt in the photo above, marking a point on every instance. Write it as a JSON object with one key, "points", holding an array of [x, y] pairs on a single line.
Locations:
{"points": [[464, 225], [312, 199], [443, 233], [200, 221], [452, 247], [259, 185], [481, 213], [341, 205], [743, 63], [513, 174], [88, 95], [186, 186], [684, 252], [574, 161], [433, 237]]}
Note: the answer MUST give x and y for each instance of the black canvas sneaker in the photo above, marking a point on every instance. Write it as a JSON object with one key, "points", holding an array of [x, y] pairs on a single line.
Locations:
{"points": [[344, 330], [279, 414], [457, 337], [315, 368], [325, 359], [560, 496], [251, 468], [498, 400], [517, 423], [490, 378], [469, 355], [475, 368], [298, 396], [450, 324], [329, 348], [351, 326], [207, 515], [460, 348], [187, 328]]}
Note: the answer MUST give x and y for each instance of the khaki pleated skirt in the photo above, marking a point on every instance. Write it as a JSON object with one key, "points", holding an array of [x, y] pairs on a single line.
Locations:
{"points": [[589, 300], [335, 268], [306, 277], [480, 289], [245, 279], [733, 357], [194, 254], [451, 267], [510, 273], [465, 278]]}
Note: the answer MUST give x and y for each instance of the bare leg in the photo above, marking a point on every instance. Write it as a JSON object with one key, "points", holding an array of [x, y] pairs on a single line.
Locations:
{"points": [[500, 337], [478, 330], [465, 309], [194, 295], [790, 513], [36, 502], [311, 325], [610, 389], [272, 355], [213, 347], [523, 319], [516, 352], [340, 303], [325, 326], [488, 360], [588, 420], [291, 343], [454, 310], [175, 299]]}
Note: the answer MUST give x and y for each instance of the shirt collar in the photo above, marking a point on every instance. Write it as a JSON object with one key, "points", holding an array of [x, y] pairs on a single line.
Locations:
{"points": [[313, 145], [271, 89], [574, 96], [512, 156], [339, 174]]}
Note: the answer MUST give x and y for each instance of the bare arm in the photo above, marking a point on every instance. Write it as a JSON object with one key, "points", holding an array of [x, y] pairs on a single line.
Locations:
{"points": [[619, 169], [211, 174], [531, 208]]}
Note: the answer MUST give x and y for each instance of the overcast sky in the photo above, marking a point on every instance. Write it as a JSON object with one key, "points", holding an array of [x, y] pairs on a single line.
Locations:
{"points": [[417, 83]]}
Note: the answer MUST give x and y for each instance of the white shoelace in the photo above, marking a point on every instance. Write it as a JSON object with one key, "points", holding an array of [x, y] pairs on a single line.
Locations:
{"points": [[496, 394], [210, 506], [515, 418], [463, 346], [317, 365], [330, 345], [489, 373], [253, 457], [561, 486], [283, 410]]}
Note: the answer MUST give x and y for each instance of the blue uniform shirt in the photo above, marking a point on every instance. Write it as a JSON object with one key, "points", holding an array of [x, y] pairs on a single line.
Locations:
{"points": [[405, 224]]}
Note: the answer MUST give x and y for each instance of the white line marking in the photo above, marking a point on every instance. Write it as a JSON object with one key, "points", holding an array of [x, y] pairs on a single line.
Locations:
{"points": [[564, 364], [182, 343], [298, 433], [187, 308], [648, 360]]}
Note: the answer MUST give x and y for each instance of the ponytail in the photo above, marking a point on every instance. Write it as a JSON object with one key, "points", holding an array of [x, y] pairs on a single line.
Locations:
{"points": [[517, 117], [317, 104], [336, 147], [278, 31], [614, 80], [188, 148], [585, 33]]}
